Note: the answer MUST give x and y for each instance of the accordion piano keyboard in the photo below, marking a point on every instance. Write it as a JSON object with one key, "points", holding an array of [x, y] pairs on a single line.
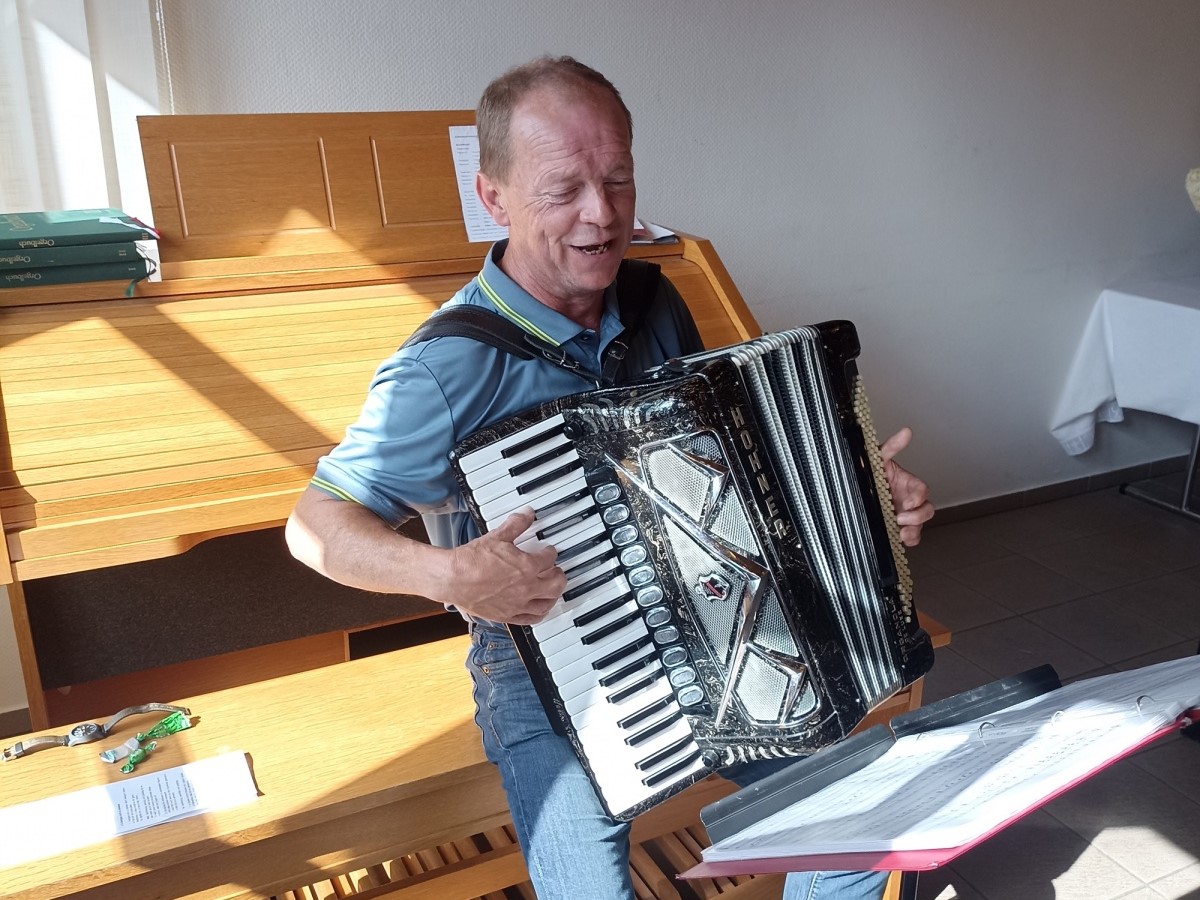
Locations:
{"points": [[597, 647]]}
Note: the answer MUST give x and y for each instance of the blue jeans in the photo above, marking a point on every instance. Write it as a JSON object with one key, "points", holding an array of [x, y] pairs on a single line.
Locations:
{"points": [[572, 848]]}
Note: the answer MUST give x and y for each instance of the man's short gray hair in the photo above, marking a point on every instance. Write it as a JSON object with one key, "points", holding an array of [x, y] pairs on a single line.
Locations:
{"points": [[493, 115]]}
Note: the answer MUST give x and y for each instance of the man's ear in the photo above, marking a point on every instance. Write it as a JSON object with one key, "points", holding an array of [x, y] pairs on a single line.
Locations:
{"points": [[491, 195]]}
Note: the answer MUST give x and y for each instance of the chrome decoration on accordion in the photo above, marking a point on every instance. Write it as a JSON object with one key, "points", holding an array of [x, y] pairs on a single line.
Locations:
{"points": [[736, 585]]}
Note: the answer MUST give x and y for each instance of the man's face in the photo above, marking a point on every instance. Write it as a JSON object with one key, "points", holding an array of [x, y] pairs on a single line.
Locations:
{"points": [[568, 198]]}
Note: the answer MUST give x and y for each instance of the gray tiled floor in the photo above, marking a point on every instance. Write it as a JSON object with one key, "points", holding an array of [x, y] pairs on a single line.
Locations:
{"points": [[1090, 584]]}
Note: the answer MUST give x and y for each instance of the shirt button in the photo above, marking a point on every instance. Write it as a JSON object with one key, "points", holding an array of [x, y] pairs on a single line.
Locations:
{"points": [[587, 337]]}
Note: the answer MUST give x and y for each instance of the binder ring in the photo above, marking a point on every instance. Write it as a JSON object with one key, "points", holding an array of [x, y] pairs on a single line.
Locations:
{"points": [[1142, 698], [984, 728]]}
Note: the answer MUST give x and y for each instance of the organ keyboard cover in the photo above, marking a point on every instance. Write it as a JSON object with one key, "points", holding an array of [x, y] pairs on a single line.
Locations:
{"points": [[736, 585]]}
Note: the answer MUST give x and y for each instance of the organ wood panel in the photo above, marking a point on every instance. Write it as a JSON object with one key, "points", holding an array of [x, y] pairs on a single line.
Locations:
{"points": [[192, 414], [304, 191]]}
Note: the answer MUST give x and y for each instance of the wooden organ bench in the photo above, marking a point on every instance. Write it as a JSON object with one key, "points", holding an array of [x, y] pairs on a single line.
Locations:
{"points": [[297, 252]]}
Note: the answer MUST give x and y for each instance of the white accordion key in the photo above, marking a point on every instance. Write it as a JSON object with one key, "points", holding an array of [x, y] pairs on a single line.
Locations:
{"points": [[510, 467], [562, 615], [542, 466], [543, 432], [563, 634], [497, 510]]}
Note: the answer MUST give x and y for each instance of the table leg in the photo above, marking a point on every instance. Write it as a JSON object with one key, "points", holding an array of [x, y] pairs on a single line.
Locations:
{"points": [[1188, 503]]}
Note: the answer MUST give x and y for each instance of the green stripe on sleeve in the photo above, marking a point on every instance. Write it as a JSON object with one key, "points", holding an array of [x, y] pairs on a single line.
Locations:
{"points": [[330, 488]]}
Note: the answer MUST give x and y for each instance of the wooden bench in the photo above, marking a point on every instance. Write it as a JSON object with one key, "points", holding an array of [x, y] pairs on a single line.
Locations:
{"points": [[359, 765]]}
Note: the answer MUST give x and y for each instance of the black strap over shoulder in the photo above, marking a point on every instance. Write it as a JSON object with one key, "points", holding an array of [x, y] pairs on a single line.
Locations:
{"points": [[476, 323], [637, 285]]}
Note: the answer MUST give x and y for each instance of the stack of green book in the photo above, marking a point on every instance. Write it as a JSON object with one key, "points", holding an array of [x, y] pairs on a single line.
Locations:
{"points": [[72, 246]]}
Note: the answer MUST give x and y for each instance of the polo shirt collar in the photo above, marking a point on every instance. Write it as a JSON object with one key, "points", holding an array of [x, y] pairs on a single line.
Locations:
{"points": [[515, 303]]}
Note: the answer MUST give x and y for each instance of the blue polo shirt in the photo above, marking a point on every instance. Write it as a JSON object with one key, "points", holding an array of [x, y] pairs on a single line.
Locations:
{"points": [[426, 398]]}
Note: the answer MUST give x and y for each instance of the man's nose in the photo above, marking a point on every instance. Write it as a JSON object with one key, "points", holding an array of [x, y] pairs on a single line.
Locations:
{"points": [[598, 207]]}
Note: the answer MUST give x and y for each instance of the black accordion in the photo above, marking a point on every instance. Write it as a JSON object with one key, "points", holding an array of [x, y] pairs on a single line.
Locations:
{"points": [[736, 587]]}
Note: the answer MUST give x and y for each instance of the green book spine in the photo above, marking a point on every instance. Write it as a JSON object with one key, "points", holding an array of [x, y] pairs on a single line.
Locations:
{"points": [[71, 227], [133, 270], [77, 255]]}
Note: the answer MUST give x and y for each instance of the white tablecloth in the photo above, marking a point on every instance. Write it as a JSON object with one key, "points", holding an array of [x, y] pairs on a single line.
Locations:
{"points": [[1141, 350]]}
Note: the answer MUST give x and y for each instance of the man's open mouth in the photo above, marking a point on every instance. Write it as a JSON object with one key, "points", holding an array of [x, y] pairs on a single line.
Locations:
{"points": [[594, 249]]}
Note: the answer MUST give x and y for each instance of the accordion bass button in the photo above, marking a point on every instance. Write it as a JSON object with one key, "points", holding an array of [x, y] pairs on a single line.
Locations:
{"points": [[674, 656], [614, 515], [626, 534], [641, 577], [607, 493], [649, 596], [667, 635], [660, 615], [690, 696], [684, 675], [633, 556]]}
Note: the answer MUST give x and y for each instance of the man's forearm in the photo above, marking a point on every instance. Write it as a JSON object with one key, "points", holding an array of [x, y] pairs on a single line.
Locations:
{"points": [[352, 546], [489, 577]]}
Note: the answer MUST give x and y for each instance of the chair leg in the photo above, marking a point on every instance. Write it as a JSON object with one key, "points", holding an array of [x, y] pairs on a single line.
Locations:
{"points": [[900, 886]]}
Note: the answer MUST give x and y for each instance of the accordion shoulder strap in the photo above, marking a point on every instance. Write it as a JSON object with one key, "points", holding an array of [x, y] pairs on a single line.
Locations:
{"points": [[637, 285], [476, 323]]}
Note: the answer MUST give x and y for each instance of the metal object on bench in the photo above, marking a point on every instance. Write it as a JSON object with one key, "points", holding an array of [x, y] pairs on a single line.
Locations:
{"points": [[87, 732]]}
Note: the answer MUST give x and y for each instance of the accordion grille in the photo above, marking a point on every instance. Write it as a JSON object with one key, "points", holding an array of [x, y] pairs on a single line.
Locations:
{"points": [[788, 382]]}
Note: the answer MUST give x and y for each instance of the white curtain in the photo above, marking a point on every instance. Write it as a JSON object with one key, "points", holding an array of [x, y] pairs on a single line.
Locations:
{"points": [[74, 76]]}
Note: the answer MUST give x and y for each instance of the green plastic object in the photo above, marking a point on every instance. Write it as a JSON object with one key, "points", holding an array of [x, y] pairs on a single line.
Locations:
{"points": [[137, 756], [172, 724]]}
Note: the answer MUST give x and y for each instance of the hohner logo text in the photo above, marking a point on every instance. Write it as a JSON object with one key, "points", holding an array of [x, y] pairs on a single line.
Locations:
{"points": [[745, 437]]}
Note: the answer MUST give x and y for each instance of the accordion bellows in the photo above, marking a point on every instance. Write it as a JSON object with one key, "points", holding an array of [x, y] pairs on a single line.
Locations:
{"points": [[736, 586]]}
